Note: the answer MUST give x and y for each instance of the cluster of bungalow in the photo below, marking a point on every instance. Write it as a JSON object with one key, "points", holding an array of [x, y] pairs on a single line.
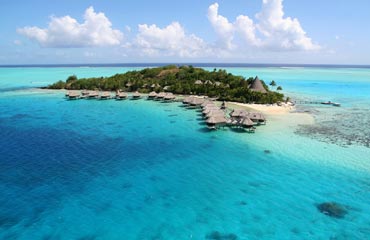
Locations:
{"points": [[218, 116], [215, 116]]}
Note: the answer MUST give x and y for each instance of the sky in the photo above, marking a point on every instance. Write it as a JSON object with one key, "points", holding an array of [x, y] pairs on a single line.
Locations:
{"points": [[217, 31]]}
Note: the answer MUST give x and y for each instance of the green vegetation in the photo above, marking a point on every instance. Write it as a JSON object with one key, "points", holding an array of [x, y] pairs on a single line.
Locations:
{"points": [[179, 80]]}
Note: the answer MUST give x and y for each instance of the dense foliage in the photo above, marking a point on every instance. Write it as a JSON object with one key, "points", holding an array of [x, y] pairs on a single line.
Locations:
{"points": [[179, 80]]}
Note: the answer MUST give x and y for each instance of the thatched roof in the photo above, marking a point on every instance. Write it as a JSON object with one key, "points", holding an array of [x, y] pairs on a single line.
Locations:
{"points": [[85, 92], [247, 122], [207, 103], [256, 116], [208, 82], [121, 94], [217, 84], [198, 82], [169, 96], [136, 94], [214, 113], [207, 110], [128, 84], [257, 86], [161, 95], [197, 101], [93, 94], [216, 120], [188, 99], [73, 94], [105, 94], [152, 94], [238, 113]]}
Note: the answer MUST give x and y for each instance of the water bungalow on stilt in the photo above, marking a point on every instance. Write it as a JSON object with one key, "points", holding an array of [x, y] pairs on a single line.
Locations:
{"points": [[121, 95], [152, 95], [215, 122], [73, 95], [169, 97], [160, 96], [105, 96], [136, 95]]}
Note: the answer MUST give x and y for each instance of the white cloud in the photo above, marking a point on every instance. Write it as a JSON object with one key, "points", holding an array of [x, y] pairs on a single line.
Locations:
{"points": [[222, 26], [96, 30], [271, 31], [168, 41]]}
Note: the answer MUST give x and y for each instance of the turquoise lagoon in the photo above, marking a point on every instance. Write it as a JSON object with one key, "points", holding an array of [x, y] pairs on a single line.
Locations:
{"points": [[140, 169]]}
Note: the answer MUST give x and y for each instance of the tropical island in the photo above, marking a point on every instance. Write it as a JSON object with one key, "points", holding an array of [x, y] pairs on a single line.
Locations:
{"points": [[185, 80]]}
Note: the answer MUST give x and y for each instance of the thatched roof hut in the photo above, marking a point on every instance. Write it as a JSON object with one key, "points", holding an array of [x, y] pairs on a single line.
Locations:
{"points": [[207, 103], [73, 94], [93, 94], [214, 113], [166, 88], [169, 96], [247, 122], [187, 100], [129, 84], [84, 92], [209, 82], [237, 113], [257, 86], [105, 95], [197, 101], [216, 120], [136, 95], [256, 117], [207, 110], [161, 95], [152, 94], [198, 82], [121, 95], [217, 83]]}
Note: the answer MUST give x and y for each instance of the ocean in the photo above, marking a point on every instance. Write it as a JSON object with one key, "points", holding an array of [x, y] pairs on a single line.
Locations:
{"points": [[91, 169]]}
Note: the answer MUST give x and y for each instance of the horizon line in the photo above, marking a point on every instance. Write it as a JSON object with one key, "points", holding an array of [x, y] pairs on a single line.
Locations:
{"points": [[199, 64]]}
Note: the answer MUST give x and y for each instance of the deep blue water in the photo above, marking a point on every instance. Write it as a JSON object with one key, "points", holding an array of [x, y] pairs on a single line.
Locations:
{"points": [[94, 169]]}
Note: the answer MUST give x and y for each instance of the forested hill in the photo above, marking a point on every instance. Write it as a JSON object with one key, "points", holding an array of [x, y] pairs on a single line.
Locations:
{"points": [[181, 80]]}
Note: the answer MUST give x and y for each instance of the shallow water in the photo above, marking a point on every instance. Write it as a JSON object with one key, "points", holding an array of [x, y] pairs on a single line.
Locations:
{"points": [[92, 169]]}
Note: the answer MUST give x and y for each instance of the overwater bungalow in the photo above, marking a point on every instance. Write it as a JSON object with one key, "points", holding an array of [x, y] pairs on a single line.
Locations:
{"points": [[73, 95], [136, 95], [105, 96], [258, 118], [216, 121], [209, 109], [237, 113], [121, 95], [93, 94], [169, 97], [85, 92], [196, 102], [187, 100], [152, 95], [207, 103], [215, 113], [160, 96]]}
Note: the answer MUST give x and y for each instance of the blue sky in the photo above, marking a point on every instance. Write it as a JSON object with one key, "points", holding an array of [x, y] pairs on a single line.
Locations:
{"points": [[243, 31]]}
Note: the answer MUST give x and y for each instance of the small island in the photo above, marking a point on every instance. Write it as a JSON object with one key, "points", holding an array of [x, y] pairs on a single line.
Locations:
{"points": [[184, 80]]}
